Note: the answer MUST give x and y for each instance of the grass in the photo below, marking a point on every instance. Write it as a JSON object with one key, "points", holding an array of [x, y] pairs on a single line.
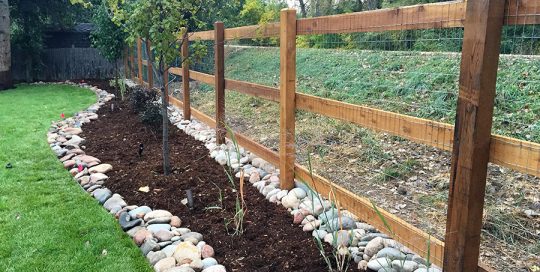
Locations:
{"points": [[47, 223]]}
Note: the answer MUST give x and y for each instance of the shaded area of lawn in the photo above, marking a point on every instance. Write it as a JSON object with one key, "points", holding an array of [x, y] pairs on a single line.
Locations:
{"points": [[47, 222]]}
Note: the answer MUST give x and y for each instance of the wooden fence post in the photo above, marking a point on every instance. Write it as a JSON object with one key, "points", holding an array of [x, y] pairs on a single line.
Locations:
{"points": [[470, 156], [287, 98], [139, 60], [219, 73], [185, 75], [149, 67]]}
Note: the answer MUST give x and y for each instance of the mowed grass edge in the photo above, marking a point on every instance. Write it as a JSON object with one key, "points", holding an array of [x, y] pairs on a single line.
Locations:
{"points": [[47, 222]]}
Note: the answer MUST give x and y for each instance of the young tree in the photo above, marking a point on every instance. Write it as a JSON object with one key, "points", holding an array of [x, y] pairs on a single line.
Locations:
{"points": [[108, 37], [5, 47], [163, 23]]}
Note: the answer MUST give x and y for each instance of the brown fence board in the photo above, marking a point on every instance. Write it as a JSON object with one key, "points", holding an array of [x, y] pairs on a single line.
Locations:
{"points": [[522, 12]]}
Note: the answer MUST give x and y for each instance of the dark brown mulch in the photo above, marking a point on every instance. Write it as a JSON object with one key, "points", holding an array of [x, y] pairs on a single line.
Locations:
{"points": [[270, 241]]}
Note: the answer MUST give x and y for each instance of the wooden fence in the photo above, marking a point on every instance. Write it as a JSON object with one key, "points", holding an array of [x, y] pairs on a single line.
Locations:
{"points": [[470, 140]]}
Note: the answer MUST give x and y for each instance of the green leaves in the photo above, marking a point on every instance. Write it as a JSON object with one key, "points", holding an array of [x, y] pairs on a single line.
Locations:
{"points": [[107, 37]]}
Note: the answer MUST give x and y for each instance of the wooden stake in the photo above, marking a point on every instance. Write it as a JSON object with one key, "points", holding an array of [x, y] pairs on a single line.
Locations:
{"points": [[478, 74], [139, 60], [149, 67], [219, 51], [185, 75], [287, 98]]}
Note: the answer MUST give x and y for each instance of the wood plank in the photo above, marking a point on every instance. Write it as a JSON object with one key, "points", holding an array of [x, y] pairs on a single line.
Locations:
{"points": [[522, 12], [252, 31], [185, 75], [287, 97], [201, 35], [219, 78], [150, 68], [139, 60], [470, 155], [426, 16], [202, 77], [407, 234], [256, 90]]}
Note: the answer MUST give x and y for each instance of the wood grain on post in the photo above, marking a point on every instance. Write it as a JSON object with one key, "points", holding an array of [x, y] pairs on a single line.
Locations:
{"points": [[219, 77], [139, 60], [149, 67], [287, 98], [185, 75], [470, 156]]}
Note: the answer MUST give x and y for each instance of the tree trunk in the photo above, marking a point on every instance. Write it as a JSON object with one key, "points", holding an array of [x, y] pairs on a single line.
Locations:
{"points": [[303, 10], [6, 80], [164, 104]]}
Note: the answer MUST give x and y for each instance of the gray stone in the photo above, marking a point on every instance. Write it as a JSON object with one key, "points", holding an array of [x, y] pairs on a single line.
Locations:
{"points": [[140, 211], [102, 195], [126, 223], [391, 253], [154, 228], [207, 262], [339, 223], [134, 230], [115, 200], [386, 269], [372, 236], [149, 245], [215, 268], [328, 215], [374, 246], [169, 250], [405, 266], [180, 269], [157, 214], [160, 220], [155, 256], [193, 237], [378, 263]]}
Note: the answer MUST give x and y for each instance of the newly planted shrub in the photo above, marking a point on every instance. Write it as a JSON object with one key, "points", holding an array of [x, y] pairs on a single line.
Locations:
{"points": [[151, 116], [140, 99]]}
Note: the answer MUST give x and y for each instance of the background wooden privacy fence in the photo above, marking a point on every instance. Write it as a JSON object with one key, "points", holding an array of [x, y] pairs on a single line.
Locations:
{"points": [[471, 141]]}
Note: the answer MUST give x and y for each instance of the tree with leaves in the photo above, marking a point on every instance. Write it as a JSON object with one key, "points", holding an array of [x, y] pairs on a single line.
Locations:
{"points": [[163, 22], [107, 36]]}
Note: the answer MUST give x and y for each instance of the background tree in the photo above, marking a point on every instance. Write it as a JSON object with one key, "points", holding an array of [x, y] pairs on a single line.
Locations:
{"points": [[5, 47], [108, 37], [163, 23]]}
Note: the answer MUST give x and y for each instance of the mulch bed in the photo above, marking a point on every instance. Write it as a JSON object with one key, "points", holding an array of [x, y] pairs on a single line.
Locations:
{"points": [[270, 242]]}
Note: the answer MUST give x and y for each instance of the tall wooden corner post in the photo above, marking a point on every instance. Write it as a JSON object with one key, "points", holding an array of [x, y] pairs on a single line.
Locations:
{"points": [[185, 75], [470, 155], [287, 97], [219, 77]]}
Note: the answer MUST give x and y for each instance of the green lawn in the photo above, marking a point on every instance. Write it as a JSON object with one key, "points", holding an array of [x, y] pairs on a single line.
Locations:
{"points": [[47, 222]]}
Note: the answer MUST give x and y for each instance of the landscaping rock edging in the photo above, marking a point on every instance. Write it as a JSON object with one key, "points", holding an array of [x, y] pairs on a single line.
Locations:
{"points": [[368, 247], [167, 246]]}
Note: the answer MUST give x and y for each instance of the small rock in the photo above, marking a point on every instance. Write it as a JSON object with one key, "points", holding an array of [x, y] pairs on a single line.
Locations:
{"points": [[298, 217], [298, 192], [176, 222], [207, 262], [164, 264], [390, 253], [379, 263], [180, 269], [115, 200], [169, 250], [155, 256], [154, 228], [149, 245], [374, 246], [126, 223], [157, 214], [290, 201], [310, 226], [363, 265], [139, 212], [405, 266], [102, 168], [207, 251], [102, 195], [159, 220], [96, 177], [134, 230], [163, 235], [193, 237], [186, 252], [141, 236]]}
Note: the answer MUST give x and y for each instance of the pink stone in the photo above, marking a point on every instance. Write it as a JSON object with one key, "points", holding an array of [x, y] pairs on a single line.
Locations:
{"points": [[176, 222], [207, 251], [69, 164], [298, 217], [141, 236]]}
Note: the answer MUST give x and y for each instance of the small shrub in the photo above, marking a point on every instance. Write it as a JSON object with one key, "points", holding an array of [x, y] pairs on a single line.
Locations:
{"points": [[141, 98], [151, 116]]}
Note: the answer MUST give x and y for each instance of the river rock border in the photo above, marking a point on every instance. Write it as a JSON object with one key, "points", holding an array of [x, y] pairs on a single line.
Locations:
{"points": [[167, 246], [370, 248]]}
